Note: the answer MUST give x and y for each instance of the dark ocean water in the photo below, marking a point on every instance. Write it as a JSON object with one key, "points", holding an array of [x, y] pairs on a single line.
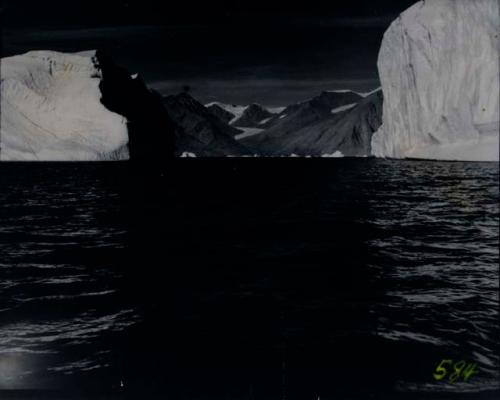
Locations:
{"points": [[249, 279]]}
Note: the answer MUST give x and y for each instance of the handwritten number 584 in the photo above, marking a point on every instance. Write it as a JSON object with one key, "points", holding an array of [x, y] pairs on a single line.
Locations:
{"points": [[455, 371]]}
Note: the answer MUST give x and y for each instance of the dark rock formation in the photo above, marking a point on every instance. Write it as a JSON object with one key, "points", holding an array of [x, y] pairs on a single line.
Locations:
{"points": [[253, 117], [220, 113], [151, 131]]}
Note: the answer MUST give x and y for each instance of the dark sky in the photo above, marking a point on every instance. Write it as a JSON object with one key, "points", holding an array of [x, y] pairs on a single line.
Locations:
{"points": [[271, 52]]}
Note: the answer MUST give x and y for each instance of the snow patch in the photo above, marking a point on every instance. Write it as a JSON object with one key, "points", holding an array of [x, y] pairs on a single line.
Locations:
{"points": [[358, 93], [343, 108], [276, 110], [366, 94], [248, 132]]}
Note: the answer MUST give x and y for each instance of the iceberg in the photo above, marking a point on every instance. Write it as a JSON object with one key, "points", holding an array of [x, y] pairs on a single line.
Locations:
{"points": [[337, 154], [439, 68], [51, 110]]}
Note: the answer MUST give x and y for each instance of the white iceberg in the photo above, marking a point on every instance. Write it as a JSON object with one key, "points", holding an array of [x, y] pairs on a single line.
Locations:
{"points": [[188, 154], [337, 154], [51, 110], [439, 67]]}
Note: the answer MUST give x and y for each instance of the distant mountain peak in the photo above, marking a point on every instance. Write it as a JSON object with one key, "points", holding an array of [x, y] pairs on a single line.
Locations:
{"points": [[252, 116], [362, 94]]}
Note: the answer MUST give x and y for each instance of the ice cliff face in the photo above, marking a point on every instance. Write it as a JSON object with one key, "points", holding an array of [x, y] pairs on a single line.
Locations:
{"points": [[51, 110], [439, 67]]}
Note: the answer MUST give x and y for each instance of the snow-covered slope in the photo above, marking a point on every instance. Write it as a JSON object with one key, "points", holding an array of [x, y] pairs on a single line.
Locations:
{"points": [[290, 131], [439, 67], [51, 110], [243, 116], [314, 128], [362, 94]]}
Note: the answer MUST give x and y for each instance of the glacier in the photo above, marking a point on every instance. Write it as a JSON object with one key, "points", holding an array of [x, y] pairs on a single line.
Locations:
{"points": [[439, 69], [51, 110]]}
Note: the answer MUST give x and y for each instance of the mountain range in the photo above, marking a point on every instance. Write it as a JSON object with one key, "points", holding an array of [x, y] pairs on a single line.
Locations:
{"points": [[334, 122], [437, 103], [329, 123], [115, 116]]}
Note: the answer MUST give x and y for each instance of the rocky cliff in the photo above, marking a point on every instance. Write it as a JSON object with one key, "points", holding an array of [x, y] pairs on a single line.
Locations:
{"points": [[200, 132]]}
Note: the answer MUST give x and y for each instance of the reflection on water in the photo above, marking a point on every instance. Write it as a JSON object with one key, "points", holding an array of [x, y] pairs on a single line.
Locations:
{"points": [[250, 280], [57, 299], [441, 237]]}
